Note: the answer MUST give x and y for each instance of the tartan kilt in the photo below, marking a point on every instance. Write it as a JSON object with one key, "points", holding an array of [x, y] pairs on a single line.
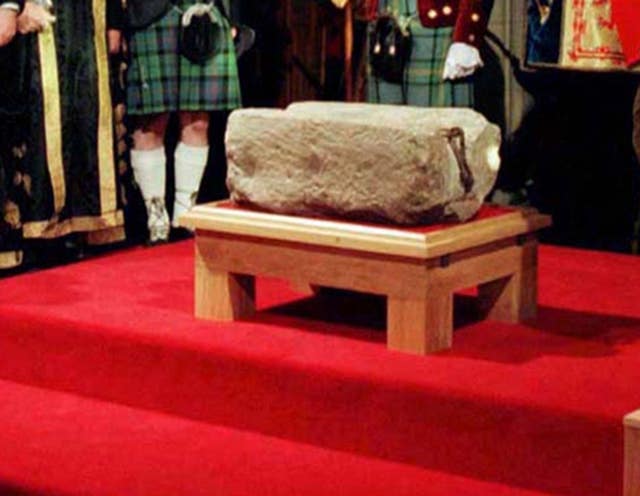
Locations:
{"points": [[160, 80], [424, 84]]}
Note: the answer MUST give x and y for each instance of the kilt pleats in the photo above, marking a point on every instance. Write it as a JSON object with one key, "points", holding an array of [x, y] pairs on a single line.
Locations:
{"points": [[161, 80]]}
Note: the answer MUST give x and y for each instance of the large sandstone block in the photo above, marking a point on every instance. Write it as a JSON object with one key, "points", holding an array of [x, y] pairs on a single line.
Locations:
{"points": [[399, 164]]}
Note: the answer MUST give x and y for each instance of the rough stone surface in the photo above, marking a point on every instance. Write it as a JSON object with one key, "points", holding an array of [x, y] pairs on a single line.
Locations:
{"points": [[361, 161]]}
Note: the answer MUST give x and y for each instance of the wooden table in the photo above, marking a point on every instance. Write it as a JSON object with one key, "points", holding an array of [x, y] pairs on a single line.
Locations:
{"points": [[632, 454], [417, 269]]}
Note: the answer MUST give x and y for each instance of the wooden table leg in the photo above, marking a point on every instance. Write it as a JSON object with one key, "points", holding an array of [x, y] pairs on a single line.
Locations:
{"points": [[222, 295], [304, 288], [632, 454], [513, 298], [420, 325]]}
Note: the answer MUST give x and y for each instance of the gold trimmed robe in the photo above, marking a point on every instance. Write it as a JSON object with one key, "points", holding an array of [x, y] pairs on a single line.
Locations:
{"points": [[69, 166]]}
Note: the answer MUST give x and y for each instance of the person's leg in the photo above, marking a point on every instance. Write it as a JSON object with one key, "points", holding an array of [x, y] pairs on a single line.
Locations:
{"points": [[190, 160], [148, 162]]}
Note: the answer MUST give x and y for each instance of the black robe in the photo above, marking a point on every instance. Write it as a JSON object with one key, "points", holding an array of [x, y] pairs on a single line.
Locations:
{"points": [[58, 146], [14, 80]]}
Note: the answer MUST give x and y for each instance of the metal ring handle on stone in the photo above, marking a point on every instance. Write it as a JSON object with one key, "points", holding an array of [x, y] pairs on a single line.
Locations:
{"points": [[455, 137]]}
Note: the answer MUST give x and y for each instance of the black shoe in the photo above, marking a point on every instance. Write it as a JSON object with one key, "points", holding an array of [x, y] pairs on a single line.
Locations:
{"points": [[180, 234]]}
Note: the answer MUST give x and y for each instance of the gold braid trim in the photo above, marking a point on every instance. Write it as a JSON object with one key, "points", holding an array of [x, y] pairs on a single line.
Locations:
{"points": [[106, 160], [10, 259], [54, 228], [52, 116]]}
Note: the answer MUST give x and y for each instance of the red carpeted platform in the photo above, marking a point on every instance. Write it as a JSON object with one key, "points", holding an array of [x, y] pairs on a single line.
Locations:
{"points": [[85, 446], [112, 387]]}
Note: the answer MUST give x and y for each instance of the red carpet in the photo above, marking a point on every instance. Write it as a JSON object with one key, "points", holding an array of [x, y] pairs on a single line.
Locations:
{"points": [[302, 399], [124, 451]]}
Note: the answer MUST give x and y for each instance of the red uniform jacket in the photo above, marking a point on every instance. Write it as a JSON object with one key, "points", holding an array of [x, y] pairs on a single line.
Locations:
{"points": [[626, 15], [467, 17]]}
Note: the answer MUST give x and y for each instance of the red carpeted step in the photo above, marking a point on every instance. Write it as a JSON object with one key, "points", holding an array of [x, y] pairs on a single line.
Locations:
{"points": [[60, 444], [536, 406]]}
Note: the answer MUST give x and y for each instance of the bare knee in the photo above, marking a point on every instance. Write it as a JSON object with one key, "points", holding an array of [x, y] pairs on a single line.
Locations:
{"points": [[194, 128], [149, 131]]}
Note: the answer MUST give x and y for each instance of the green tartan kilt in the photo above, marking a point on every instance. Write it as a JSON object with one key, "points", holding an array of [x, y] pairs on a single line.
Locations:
{"points": [[160, 80], [424, 84]]}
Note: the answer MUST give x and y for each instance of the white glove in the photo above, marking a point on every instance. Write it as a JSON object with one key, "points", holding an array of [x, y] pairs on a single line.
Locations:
{"points": [[462, 61]]}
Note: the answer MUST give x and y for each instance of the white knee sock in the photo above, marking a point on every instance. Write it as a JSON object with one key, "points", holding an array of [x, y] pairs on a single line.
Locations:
{"points": [[189, 167], [149, 169]]}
